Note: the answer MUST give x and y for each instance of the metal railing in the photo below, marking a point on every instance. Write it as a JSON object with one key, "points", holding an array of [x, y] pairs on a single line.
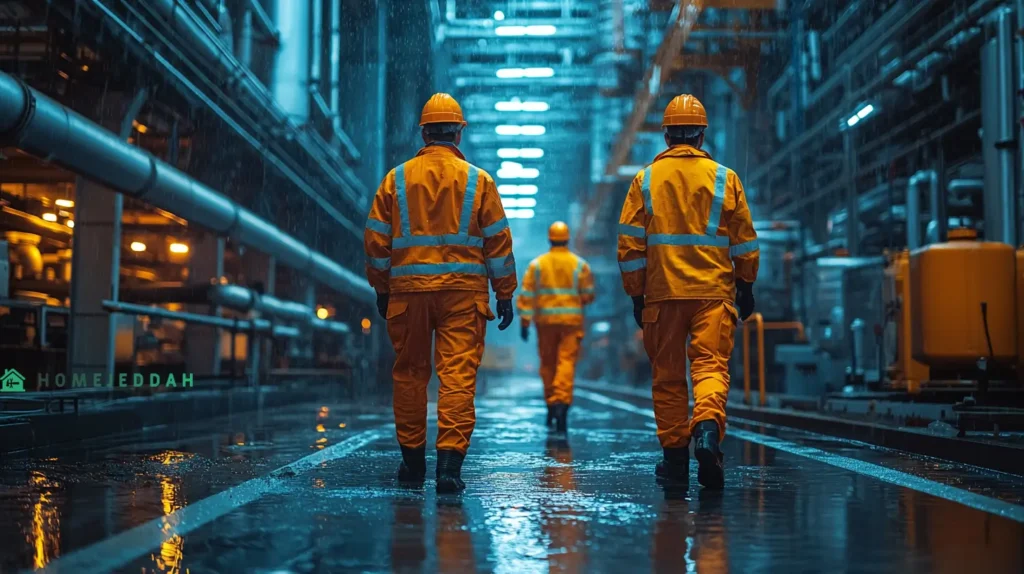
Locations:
{"points": [[758, 320]]}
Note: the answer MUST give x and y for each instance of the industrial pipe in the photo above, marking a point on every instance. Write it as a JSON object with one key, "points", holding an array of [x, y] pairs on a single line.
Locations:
{"points": [[968, 17], [762, 326], [33, 122], [243, 46], [242, 299], [257, 325], [914, 206], [335, 63], [999, 131], [290, 74], [250, 88]]}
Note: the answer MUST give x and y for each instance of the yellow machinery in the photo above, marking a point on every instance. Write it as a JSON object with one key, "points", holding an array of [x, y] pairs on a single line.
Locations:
{"points": [[1019, 283], [934, 297], [904, 373], [963, 302]]}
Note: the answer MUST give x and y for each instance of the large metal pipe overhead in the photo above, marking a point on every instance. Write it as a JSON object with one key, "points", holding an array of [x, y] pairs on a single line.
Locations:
{"points": [[33, 122], [999, 130], [254, 93], [290, 75]]}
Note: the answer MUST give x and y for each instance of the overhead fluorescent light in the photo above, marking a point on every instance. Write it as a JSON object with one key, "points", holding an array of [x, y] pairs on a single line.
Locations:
{"points": [[865, 111], [519, 214], [513, 189], [515, 105], [518, 202], [499, 15], [513, 73], [514, 130], [862, 113], [64, 203], [520, 153], [625, 170], [537, 30], [518, 173], [50, 216]]}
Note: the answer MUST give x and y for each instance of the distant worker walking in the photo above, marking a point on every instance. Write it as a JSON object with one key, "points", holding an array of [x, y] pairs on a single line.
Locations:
{"points": [[556, 288], [435, 234], [687, 250]]}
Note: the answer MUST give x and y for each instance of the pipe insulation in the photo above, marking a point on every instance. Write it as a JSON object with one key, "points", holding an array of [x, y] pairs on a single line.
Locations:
{"points": [[33, 122]]}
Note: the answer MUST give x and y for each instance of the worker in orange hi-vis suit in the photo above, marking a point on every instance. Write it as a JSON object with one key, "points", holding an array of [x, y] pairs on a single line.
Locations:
{"points": [[435, 234], [556, 287], [687, 250]]}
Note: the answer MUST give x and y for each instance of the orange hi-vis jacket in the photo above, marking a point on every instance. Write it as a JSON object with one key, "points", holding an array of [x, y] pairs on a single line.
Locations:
{"points": [[437, 224], [556, 287], [685, 231]]}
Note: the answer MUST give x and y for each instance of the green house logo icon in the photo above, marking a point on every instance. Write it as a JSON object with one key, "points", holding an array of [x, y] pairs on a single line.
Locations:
{"points": [[12, 382]]}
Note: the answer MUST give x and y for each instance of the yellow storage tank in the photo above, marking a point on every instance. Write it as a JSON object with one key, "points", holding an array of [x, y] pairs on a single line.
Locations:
{"points": [[905, 373], [1020, 315], [949, 282]]}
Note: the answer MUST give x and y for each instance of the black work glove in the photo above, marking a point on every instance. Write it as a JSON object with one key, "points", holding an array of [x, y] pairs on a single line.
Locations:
{"points": [[638, 311], [382, 305], [505, 312], [745, 299], [525, 332]]}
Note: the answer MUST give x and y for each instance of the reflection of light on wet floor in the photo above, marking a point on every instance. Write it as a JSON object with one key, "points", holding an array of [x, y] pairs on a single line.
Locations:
{"points": [[320, 428], [172, 549], [45, 523], [172, 457]]}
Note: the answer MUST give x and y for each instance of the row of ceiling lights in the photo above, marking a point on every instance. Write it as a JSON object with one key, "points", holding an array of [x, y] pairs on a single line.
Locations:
{"points": [[519, 207]]}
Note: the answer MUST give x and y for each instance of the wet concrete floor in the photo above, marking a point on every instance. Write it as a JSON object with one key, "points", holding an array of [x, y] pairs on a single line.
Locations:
{"points": [[311, 489]]}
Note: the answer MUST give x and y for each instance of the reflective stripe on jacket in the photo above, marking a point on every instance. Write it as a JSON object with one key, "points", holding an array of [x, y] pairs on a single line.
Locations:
{"points": [[437, 224], [556, 288], [685, 231]]}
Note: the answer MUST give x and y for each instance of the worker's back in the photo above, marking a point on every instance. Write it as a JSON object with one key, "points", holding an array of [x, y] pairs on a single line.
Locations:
{"points": [[688, 215], [446, 226], [556, 287]]}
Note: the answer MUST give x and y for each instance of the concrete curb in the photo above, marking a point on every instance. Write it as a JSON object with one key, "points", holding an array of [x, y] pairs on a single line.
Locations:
{"points": [[134, 415], [981, 453]]}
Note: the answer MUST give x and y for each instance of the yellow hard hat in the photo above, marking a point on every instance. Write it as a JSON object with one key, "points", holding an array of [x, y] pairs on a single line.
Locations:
{"points": [[442, 109], [558, 232], [685, 110]]}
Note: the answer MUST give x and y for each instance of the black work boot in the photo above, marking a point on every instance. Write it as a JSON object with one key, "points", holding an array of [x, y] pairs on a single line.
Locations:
{"points": [[414, 465], [563, 419], [710, 472], [449, 469], [550, 422], [675, 468]]}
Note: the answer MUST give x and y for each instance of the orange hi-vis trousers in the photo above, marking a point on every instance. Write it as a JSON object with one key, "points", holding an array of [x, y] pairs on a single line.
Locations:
{"points": [[559, 347], [455, 321], [710, 325]]}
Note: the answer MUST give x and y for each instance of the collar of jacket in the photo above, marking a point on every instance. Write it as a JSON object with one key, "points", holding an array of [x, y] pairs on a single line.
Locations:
{"points": [[683, 151], [441, 148], [555, 248]]}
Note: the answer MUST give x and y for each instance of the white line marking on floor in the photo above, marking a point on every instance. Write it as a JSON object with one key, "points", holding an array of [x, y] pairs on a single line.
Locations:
{"points": [[897, 477], [117, 551]]}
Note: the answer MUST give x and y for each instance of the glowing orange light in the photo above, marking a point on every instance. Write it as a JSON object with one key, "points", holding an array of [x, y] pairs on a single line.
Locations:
{"points": [[365, 323]]}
